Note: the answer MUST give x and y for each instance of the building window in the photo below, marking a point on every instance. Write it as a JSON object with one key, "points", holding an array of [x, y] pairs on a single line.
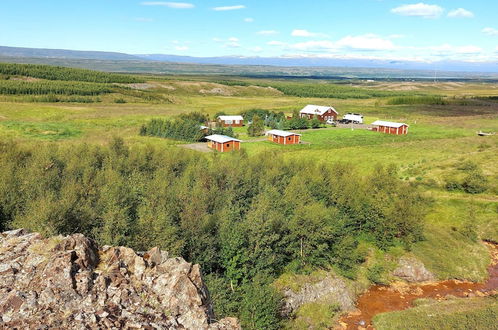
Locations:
{"points": [[228, 145]]}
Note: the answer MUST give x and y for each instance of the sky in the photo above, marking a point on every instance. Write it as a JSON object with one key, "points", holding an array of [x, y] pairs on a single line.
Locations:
{"points": [[461, 30]]}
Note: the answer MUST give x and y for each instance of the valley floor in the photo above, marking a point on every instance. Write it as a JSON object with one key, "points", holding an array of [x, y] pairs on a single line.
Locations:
{"points": [[442, 141]]}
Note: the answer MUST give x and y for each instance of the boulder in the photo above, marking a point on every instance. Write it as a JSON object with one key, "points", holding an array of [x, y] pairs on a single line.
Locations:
{"points": [[331, 289], [411, 269], [69, 282]]}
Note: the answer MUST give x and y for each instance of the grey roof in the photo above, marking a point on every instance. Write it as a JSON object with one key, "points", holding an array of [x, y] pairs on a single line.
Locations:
{"points": [[280, 133], [388, 124], [221, 138], [316, 109], [231, 118]]}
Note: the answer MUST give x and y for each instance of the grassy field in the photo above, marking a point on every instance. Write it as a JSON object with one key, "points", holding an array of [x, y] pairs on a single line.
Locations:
{"points": [[472, 313], [441, 137]]}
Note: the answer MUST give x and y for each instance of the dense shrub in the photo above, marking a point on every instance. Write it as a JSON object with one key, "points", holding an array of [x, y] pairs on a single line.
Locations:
{"points": [[184, 127], [271, 118], [474, 181], [240, 217], [256, 127]]}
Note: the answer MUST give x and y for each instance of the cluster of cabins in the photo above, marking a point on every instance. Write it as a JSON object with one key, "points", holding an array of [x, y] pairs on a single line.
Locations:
{"points": [[223, 143]]}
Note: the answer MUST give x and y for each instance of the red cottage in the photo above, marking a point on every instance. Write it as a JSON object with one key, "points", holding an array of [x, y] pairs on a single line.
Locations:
{"points": [[234, 121], [390, 127], [283, 137], [223, 143], [322, 113]]}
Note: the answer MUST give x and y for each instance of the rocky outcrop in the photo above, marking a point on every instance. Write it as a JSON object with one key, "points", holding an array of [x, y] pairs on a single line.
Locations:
{"points": [[68, 282], [411, 269], [331, 289]]}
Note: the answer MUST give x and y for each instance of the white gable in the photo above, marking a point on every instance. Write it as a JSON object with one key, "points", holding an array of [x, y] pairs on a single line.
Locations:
{"points": [[280, 133], [388, 124], [228, 118], [311, 109], [221, 138]]}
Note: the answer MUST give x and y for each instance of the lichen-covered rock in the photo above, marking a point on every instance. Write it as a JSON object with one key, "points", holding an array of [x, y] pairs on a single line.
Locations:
{"points": [[331, 289], [411, 269], [68, 282]]}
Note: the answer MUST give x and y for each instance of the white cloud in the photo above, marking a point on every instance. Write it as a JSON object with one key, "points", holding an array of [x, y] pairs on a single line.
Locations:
{"points": [[447, 49], [176, 5], [232, 44], [490, 31], [470, 49], [366, 42], [306, 33], [225, 8], [275, 43], [361, 42], [419, 10], [256, 49], [267, 32], [181, 48], [248, 19], [460, 12], [315, 45]]}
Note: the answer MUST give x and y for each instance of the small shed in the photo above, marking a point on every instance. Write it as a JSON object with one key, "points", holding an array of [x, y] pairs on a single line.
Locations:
{"points": [[323, 113], [283, 137], [223, 143], [233, 121], [204, 129], [389, 127]]}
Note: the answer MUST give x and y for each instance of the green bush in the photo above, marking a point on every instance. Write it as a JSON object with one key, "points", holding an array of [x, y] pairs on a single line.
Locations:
{"points": [[256, 127], [186, 127], [260, 306], [475, 182], [375, 274]]}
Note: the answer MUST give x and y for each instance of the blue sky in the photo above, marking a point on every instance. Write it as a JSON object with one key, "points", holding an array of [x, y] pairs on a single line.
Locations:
{"points": [[386, 29]]}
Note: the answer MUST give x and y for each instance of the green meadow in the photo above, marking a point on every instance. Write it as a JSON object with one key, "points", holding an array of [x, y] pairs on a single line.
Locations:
{"points": [[443, 117]]}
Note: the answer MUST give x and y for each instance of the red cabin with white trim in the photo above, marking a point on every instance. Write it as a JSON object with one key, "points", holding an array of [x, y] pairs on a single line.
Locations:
{"points": [[232, 121], [223, 143], [283, 137], [389, 127], [321, 112]]}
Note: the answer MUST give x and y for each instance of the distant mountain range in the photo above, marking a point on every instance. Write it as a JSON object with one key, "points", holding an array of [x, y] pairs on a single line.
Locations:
{"points": [[160, 63], [328, 62], [62, 53]]}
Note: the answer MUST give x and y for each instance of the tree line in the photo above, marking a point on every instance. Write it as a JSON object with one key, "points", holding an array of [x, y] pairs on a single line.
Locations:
{"points": [[19, 87], [50, 72], [322, 90], [244, 219], [185, 127]]}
